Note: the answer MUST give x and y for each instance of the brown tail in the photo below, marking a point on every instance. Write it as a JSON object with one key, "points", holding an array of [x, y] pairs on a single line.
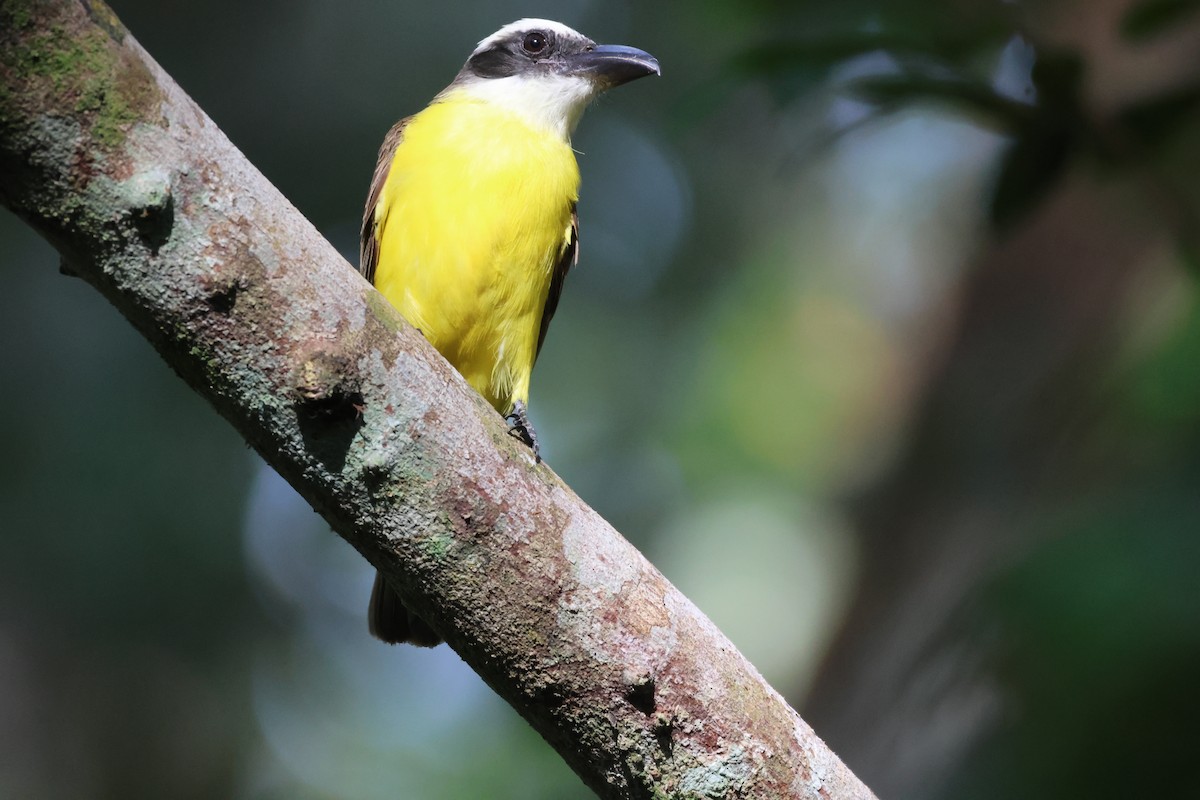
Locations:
{"points": [[391, 622]]}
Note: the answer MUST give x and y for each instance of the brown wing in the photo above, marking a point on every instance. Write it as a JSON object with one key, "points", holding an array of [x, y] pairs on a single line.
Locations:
{"points": [[368, 253], [569, 258]]}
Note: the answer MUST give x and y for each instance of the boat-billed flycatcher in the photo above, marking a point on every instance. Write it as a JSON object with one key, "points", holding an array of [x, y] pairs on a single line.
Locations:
{"points": [[470, 225]]}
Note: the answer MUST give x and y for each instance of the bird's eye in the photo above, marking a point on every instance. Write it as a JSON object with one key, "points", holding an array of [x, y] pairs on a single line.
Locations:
{"points": [[535, 43]]}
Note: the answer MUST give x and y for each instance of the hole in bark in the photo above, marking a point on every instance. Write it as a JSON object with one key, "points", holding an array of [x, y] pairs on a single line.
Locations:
{"points": [[223, 301], [664, 730], [330, 409], [155, 223], [641, 695], [329, 425]]}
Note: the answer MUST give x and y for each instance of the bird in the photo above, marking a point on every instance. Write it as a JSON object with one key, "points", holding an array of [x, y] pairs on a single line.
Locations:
{"points": [[470, 225]]}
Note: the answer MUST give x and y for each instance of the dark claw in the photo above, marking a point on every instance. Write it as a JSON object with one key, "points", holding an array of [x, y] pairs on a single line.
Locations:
{"points": [[520, 426]]}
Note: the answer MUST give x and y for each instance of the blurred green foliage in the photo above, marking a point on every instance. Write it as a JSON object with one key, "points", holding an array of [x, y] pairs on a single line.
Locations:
{"points": [[1149, 18], [934, 253]]}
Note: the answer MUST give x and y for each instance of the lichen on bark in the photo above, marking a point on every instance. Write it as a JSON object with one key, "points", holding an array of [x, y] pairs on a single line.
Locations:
{"points": [[55, 59]]}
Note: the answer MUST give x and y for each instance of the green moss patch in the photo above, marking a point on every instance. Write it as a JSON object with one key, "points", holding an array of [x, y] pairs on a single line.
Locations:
{"points": [[55, 58]]}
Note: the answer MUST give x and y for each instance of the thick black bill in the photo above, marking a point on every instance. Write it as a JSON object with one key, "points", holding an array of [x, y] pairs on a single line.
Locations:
{"points": [[614, 64]]}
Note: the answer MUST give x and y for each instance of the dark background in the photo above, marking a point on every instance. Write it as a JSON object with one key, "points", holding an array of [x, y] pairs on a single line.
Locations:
{"points": [[883, 347]]}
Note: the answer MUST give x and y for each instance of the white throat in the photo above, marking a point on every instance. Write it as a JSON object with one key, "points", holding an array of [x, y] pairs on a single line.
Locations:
{"points": [[549, 102]]}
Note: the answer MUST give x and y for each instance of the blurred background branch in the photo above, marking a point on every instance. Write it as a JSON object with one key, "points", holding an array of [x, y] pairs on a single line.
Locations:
{"points": [[889, 363]]}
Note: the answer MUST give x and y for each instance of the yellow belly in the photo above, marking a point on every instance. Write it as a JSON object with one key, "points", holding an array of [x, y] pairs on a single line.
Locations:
{"points": [[475, 213]]}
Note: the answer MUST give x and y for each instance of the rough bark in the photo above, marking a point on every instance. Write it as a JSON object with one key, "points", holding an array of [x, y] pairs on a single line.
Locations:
{"points": [[147, 201]]}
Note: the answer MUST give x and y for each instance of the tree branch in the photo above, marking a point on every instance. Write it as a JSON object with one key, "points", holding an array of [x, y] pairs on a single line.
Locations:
{"points": [[149, 202]]}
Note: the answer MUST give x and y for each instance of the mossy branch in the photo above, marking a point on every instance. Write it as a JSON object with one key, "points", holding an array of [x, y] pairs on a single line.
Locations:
{"points": [[147, 200]]}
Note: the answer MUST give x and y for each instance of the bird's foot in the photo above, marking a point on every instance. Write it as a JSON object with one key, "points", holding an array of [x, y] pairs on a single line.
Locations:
{"points": [[520, 427]]}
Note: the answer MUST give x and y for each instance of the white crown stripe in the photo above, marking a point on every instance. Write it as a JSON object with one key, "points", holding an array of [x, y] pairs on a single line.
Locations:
{"points": [[528, 24]]}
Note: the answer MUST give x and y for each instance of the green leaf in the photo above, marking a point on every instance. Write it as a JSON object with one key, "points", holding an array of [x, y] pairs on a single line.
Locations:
{"points": [[1151, 18]]}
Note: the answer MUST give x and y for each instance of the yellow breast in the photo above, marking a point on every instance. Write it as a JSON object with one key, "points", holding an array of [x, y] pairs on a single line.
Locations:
{"points": [[475, 213]]}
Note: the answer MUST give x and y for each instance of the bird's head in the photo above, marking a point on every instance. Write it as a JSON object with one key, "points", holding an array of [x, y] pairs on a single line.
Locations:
{"points": [[547, 72]]}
